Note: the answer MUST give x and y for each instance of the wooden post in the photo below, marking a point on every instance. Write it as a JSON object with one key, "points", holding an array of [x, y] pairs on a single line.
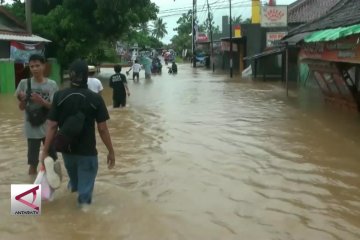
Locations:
{"points": [[287, 70], [28, 16], [231, 46]]}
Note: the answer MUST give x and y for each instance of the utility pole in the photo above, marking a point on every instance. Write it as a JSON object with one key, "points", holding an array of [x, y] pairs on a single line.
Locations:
{"points": [[231, 46], [211, 37], [194, 32], [28, 16]]}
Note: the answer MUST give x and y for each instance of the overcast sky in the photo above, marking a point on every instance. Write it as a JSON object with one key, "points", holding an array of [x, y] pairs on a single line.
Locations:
{"points": [[220, 8]]}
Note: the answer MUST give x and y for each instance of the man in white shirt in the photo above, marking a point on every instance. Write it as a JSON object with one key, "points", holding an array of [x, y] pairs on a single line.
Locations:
{"points": [[93, 83], [136, 67]]}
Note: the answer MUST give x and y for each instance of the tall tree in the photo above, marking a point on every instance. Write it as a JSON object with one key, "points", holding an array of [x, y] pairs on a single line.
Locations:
{"points": [[159, 30], [209, 21], [144, 28], [237, 20], [77, 28], [182, 40]]}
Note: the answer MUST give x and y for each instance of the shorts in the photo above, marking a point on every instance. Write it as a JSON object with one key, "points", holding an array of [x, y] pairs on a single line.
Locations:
{"points": [[34, 151]]}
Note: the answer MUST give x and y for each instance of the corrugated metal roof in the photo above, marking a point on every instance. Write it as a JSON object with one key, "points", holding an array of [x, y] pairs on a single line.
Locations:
{"points": [[292, 41], [345, 13], [22, 38], [333, 34], [266, 53]]}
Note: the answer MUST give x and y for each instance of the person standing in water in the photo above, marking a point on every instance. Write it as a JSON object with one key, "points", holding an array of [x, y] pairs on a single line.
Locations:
{"points": [[93, 83], [120, 89], [36, 93], [136, 67]]}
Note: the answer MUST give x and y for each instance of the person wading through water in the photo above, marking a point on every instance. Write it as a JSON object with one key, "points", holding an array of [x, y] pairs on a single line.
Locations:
{"points": [[120, 89], [35, 95], [71, 125]]}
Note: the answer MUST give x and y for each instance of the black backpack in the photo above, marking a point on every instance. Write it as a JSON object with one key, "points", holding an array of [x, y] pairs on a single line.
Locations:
{"points": [[68, 134], [36, 114]]}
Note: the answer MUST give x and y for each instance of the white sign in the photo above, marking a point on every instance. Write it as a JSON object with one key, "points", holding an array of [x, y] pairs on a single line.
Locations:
{"points": [[225, 46], [273, 38], [274, 16], [25, 199]]}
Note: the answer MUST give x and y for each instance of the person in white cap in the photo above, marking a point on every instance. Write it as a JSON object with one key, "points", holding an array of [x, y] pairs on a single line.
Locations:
{"points": [[94, 84]]}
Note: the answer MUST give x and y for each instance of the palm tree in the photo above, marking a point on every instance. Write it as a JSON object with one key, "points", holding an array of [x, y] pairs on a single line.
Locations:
{"points": [[159, 30], [237, 20], [144, 28]]}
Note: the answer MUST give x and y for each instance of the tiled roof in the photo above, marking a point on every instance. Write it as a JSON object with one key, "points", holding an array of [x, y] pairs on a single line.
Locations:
{"points": [[345, 13], [303, 11]]}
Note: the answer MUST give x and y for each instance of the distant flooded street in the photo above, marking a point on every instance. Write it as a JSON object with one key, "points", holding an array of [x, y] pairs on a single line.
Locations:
{"points": [[203, 157]]}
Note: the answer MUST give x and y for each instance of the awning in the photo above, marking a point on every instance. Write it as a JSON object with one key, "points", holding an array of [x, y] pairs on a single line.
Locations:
{"points": [[293, 40], [22, 38], [266, 53], [234, 39], [333, 34]]}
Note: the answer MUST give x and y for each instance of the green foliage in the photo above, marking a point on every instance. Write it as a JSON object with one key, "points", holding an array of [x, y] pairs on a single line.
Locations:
{"points": [[184, 23], [17, 8], [159, 30], [184, 29], [143, 39], [247, 21], [207, 23], [84, 28], [238, 20], [216, 30]]}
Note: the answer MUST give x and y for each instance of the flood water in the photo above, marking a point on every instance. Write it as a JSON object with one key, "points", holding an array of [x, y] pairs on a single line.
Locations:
{"points": [[203, 157]]}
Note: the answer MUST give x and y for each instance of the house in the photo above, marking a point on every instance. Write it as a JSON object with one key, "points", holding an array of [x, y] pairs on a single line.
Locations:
{"points": [[268, 59], [16, 45], [330, 49]]}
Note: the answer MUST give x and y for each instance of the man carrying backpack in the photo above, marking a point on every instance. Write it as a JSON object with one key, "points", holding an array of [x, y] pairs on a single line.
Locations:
{"points": [[71, 125], [35, 95]]}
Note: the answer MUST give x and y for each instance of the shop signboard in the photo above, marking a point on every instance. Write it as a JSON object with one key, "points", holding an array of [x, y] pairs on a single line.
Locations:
{"points": [[273, 38], [225, 46], [343, 50], [274, 16]]}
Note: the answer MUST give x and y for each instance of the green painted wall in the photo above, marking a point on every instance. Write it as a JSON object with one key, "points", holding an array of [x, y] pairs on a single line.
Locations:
{"points": [[55, 73], [7, 76], [303, 74]]}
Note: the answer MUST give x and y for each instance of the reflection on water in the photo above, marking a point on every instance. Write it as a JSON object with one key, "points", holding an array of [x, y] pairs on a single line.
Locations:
{"points": [[200, 156]]}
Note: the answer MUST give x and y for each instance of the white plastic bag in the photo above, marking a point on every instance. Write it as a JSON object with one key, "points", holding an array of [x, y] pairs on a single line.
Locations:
{"points": [[47, 193], [247, 73]]}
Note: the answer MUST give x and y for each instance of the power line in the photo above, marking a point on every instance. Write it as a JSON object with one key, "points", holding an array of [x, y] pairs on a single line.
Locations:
{"points": [[216, 8], [213, 4]]}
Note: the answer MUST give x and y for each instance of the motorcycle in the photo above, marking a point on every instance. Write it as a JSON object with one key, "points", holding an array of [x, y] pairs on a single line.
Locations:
{"points": [[172, 71]]}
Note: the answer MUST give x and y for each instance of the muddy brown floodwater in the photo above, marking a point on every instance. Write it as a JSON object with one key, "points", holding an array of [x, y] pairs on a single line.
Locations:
{"points": [[203, 157]]}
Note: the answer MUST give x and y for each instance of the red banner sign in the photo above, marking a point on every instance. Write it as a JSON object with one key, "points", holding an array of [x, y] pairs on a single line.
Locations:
{"points": [[343, 50], [20, 52]]}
